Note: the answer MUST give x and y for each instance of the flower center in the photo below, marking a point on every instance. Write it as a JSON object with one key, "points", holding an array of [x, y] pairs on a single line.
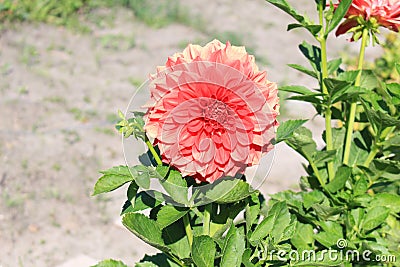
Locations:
{"points": [[216, 111]]}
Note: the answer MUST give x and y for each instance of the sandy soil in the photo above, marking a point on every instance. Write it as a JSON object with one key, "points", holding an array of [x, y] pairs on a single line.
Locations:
{"points": [[59, 93]]}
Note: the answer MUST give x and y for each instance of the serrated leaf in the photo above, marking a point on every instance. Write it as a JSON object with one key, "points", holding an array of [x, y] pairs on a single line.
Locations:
{"points": [[169, 214], [342, 175], [146, 229], [286, 129], [228, 190], [174, 185], [233, 248], [112, 179], [110, 263], [338, 15], [203, 251]]}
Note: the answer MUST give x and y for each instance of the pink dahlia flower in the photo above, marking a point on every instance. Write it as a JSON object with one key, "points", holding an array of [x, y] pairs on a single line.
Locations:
{"points": [[386, 13], [212, 112]]}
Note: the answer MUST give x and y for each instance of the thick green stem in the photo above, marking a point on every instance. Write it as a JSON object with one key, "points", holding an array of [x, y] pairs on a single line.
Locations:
{"points": [[153, 151], [188, 229], [206, 219], [324, 74], [353, 106]]}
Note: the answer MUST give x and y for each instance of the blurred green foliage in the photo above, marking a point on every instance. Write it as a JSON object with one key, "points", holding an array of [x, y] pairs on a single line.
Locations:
{"points": [[384, 65], [155, 14], [56, 12]]}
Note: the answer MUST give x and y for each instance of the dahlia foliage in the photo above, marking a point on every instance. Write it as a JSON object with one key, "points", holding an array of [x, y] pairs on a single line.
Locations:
{"points": [[212, 112]]}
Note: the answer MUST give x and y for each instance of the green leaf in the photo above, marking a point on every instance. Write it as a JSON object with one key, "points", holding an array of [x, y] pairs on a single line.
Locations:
{"points": [[286, 129], [304, 70], [375, 217], [131, 194], [388, 200], [303, 238], [326, 212], [274, 224], [336, 86], [361, 187], [169, 214], [382, 120], [112, 179], [338, 15], [302, 90], [397, 67], [313, 54], [158, 260], [233, 248], [284, 6], [324, 156], [302, 142], [246, 258], [313, 197], [314, 98], [175, 238], [342, 175], [110, 263], [334, 65], [252, 210], [141, 175], [327, 239], [228, 190], [174, 185], [203, 251], [144, 228]]}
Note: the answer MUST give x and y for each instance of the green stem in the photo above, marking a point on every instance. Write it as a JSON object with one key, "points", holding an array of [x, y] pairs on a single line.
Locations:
{"points": [[188, 229], [371, 155], [153, 151], [324, 74], [353, 106], [207, 218], [316, 171]]}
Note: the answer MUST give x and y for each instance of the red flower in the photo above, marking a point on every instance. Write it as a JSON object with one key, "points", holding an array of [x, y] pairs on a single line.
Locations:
{"points": [[384, 13], [212, 112]]}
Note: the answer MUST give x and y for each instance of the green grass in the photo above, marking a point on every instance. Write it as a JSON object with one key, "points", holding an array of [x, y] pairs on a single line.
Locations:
{"points": [[155, 14]]}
